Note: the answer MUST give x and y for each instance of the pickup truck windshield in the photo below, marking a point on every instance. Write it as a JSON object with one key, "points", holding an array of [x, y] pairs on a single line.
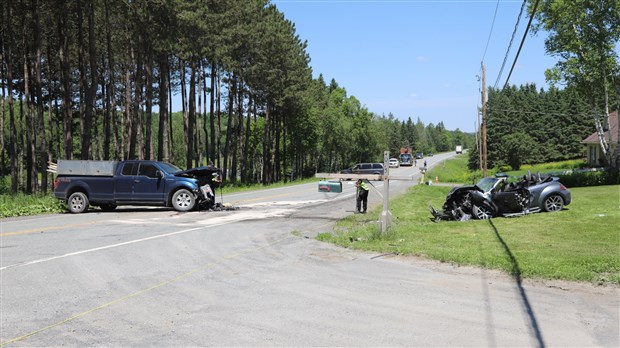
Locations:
{"points": [[169, 168]]}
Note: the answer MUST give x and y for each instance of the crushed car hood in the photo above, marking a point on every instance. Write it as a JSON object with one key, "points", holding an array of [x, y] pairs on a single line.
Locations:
{"points": [[205, 171]]}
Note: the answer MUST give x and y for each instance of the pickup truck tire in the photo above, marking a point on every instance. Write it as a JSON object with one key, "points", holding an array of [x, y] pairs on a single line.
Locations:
{"points": [[77, 203], [183, 200]]}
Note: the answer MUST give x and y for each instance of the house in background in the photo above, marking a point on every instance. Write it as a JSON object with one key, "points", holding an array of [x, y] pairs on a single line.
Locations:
{"points": [[594, 152]]}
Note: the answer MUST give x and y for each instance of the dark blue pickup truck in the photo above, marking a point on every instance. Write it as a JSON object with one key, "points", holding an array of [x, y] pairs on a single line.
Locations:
{"points": [[108, 184]]}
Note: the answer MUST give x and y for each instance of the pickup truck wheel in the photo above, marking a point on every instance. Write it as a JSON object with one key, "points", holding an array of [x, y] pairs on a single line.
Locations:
{"points": [[183, 200], [108, 207], [77, 203]]}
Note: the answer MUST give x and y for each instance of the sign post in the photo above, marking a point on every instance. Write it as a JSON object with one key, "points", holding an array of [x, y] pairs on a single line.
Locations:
{"points": [[386, 216], [385, 219]]}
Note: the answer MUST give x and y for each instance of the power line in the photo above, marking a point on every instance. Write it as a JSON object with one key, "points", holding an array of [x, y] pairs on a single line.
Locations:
{"points": [[514, 32], [490, 32], [529, 23]]}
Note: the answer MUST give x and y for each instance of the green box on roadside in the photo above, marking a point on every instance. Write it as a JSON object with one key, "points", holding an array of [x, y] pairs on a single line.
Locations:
{"points": [[330, 186]]}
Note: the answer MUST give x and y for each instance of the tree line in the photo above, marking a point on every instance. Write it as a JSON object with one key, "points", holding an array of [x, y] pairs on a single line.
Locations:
{"points": [[95, 80], [584, 36], [530, 125], [525, 125]]}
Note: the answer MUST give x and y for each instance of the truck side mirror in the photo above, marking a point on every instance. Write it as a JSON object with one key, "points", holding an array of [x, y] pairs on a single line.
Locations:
{"points": [[159, 174]]}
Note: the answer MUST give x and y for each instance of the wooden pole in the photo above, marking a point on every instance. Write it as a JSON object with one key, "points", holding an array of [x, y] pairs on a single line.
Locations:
{"points": [[386, 215], [484, 121]]}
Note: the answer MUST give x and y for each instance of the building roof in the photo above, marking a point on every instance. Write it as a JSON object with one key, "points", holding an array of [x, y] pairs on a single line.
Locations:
{"points": [[613, 126]]}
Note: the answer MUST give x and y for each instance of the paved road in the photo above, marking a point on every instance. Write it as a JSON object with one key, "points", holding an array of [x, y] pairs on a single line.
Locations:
{"points": [[256, 277]]}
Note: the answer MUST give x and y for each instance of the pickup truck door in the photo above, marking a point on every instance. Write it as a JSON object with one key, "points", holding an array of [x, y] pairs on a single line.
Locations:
{"points": [[148, 186], [124, 182]]}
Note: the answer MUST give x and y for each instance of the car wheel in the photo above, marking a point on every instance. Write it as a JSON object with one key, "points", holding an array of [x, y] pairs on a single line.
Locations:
{"points": [[482, 212], [107, 207], [183, 200], [77, 203], [553, 203]]}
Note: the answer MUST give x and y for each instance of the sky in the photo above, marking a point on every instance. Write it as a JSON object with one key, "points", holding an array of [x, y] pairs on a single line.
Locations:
{"points": [[418, 58]]}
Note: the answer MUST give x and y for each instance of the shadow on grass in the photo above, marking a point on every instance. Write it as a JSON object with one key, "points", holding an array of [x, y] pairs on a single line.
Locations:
{"points": [[516, 274]]}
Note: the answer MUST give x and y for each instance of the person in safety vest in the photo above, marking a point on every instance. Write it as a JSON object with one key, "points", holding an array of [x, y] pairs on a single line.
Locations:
{"points": [[362, 196]]}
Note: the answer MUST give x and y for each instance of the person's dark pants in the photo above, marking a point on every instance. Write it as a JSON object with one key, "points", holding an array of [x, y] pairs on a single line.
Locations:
{"points": [[362, 199]]}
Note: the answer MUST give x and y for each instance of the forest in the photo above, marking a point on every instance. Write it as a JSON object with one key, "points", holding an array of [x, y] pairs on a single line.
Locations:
{"points": [[95, 80], [530, 125]]}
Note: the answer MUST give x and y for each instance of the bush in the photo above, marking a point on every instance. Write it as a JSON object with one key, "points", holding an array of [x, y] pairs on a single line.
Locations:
{"points": [[592, 178]]}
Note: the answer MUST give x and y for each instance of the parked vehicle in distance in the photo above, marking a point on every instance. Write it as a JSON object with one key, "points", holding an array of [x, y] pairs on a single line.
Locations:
{"points": [[108, 184], [394, 163], [492, 197], [419, 155], [430, 154], [365, 168], [459, 149]]}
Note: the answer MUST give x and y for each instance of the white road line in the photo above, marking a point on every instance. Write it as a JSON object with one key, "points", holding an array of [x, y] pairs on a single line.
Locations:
{"points": [[223, 221], [97, 249]]}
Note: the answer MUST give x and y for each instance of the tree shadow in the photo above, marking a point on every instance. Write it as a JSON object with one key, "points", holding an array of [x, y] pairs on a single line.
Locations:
{"points": [[516, 274]]}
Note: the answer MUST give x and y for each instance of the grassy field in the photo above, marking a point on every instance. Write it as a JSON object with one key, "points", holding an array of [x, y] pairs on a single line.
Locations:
{"points": [[23, 205], [452, 170], [580, 243]]}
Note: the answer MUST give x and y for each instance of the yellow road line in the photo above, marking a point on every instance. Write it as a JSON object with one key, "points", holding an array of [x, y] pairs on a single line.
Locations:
{"points": [[141, 292], [167, 282], [45, 229]]}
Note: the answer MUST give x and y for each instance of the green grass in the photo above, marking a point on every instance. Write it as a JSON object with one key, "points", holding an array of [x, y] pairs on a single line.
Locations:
{"points": [[580, 243], [548, 167], [452, 171], [22, 205]]}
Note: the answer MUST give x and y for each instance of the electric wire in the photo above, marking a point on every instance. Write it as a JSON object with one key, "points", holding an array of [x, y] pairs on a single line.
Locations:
{"points": [[514, 32], [529, 23], [490, 32]]}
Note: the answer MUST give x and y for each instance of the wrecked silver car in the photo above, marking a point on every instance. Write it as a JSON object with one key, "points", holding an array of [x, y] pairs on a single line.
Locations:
{"points": [[497, 196]]}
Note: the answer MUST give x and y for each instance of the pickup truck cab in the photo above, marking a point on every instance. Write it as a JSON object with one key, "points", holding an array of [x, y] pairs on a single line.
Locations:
{"points": [[108, 184]]}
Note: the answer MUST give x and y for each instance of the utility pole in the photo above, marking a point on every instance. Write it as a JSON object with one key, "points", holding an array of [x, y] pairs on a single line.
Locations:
{"points": [[484, 121], [386, 216], [478, 128]]}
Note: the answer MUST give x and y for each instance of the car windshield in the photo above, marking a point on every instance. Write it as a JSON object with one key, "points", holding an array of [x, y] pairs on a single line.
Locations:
{"points": [[169, 168], [486, 184]]}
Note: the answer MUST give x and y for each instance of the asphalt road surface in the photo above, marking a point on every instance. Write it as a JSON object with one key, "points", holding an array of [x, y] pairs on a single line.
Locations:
{"points": [[256, 276]]}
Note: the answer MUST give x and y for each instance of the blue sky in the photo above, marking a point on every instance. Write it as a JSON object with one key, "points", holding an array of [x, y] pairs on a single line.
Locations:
{"points": [[417, 58]]}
